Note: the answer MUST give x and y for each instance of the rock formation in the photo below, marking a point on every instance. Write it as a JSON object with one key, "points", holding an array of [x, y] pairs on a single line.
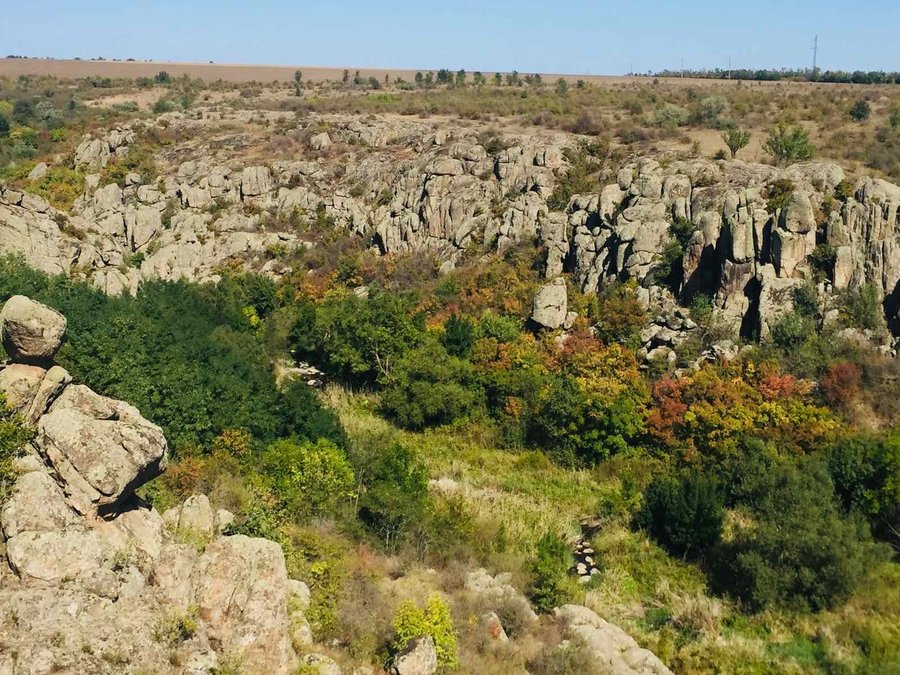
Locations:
{"points": [[410, 186], [94, 580]]}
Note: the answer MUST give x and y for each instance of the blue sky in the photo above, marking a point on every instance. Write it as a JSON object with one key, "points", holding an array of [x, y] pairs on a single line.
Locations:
{"points": [[570, 36]]}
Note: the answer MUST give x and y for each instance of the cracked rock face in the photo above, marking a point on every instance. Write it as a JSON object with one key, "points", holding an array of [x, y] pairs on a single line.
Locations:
{"points": [[89, 574]]}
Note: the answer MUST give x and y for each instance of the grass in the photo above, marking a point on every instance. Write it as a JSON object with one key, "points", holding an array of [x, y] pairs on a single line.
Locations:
{"points": [[660, 600]]}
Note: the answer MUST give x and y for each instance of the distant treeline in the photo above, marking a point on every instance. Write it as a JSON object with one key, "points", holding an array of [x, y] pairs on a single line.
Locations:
{"points": [[838, 76]]}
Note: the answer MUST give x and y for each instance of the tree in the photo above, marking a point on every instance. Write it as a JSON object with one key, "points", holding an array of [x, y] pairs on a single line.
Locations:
{"points": [[298, 81], [345, 78], [683, 514], [866, 474], [162, 77], [4, 127], [736, 139], [420, 79], [498, 79], [860, 110], [549, 569], [428, 387], [478, 78], [788, 143], [460, 78], [513, 79], [796, 549], [459, 336], [562, 87], [393, 498], [310, 478]]}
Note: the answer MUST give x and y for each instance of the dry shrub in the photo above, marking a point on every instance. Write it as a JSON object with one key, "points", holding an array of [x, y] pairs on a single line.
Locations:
{"points": [[695, 613]]}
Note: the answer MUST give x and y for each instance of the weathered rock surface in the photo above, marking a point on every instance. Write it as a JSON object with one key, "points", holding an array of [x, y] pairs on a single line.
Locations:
{"points": [[419, 658], [91, 579], [612, 648], [550, 304], [31, 332]]}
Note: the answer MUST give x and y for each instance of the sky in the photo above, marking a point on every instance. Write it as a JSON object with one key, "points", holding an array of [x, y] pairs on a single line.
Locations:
{"points": [[567, 36]]}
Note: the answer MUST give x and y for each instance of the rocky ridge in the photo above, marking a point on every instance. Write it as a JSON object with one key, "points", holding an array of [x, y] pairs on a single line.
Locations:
{"points": [[411, 186]]}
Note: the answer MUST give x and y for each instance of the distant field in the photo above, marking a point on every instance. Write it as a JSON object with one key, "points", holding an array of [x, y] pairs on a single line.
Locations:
{"points": [[210, 72]]}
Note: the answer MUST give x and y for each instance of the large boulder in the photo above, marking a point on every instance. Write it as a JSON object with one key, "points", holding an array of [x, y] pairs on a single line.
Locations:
{"points": [[614, 650], [241, 597], [102, 449], [31, 332], [550, 304], [418, 658]]}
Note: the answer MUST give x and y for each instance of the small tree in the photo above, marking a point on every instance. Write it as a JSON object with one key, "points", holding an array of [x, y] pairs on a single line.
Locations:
{"points": [[460, 78], [435, 621], [513, 79], [562, 87], [479, 78], [684, 515], [549, 569], [345, 78], [860, 111], [4, 127], [736, 140], [298, 81], [420, 79], [788, 143]]}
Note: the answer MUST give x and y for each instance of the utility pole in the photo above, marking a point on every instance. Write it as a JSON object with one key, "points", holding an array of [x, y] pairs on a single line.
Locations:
{"points": [[815, 51]]}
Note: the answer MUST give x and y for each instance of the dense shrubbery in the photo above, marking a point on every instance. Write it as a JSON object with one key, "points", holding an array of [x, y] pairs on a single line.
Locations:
{"points": [[13, 437]]}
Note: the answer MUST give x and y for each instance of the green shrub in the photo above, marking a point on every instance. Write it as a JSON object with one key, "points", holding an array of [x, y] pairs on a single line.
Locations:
{"points": [[434, 619], [683, 514], [736, 139], [459, 336], [428, 387], [13, 437], [796, 550], [549, 570], [789, 143], [860, 110], [309, 478]]}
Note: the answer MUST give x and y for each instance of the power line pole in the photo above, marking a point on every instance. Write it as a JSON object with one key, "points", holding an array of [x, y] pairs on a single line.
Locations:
{"points": [[815, 51]]}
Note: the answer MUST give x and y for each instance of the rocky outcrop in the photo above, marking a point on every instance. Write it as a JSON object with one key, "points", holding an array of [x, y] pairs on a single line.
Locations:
{"points": [[419, 658], [407, 186], [549, 308], [612, 649], [92, 579]]}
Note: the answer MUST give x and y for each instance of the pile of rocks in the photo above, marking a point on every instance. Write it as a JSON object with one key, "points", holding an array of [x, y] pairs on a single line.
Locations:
{"points": [[92, 579], [585, 565]]}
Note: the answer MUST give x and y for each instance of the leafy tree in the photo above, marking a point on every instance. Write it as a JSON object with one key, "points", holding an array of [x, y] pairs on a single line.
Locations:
{"points": [[562, 87], [619, 315], [14, 434], [361, 340], [860, 111], [459, 336], [162, 77], [861, 307], [683, 514], [393, 499], [866, 474], [434, 619], [460, 78], [498, 79], [797, 550], [428, 387], [549, 569], [304, 415], [736, 139], [789, 143], [479, 78], [309, 478], [4, 127], [298, 82]]}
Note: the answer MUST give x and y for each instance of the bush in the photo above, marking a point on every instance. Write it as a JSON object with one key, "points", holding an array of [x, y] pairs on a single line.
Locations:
{"points": [[861, 307], [459, 336], [683, 514], [428, 387], [736, 139], [789, 143], [797, 550], [619, 315], [14, 434], [860, 111], [549, 571], [310, 479], [866, 474], [434, 619]]}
